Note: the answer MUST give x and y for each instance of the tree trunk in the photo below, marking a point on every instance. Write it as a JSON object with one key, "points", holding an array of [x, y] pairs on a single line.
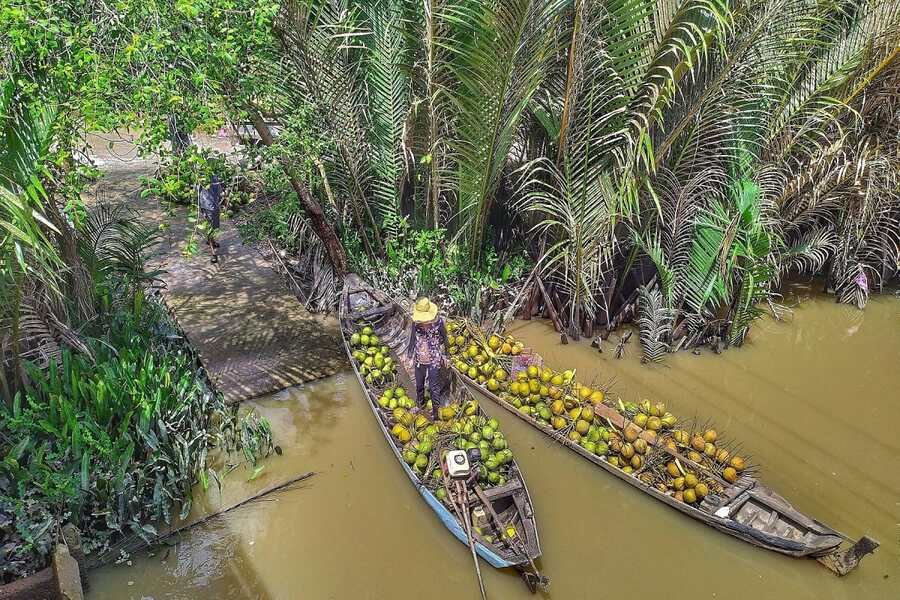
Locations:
{"points": [[180, 140], [324, 230]]}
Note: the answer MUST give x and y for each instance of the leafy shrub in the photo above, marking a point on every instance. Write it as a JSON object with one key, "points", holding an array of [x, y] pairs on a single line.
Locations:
{"points": [[426, 262], [178, 177], [112, 444]]}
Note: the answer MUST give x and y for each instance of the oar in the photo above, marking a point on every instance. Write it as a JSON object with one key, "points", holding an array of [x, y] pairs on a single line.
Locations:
{"points": [[464, 497]]}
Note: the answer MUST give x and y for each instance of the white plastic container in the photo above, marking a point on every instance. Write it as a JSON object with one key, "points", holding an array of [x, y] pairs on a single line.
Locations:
{"points": [[458, 464]]}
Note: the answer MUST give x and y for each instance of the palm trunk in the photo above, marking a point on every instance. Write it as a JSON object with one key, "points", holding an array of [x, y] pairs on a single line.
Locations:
{"points": [[323, 228]]}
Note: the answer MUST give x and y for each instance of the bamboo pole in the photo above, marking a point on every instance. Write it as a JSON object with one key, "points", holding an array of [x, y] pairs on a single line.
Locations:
{"points": [[98, 561]]}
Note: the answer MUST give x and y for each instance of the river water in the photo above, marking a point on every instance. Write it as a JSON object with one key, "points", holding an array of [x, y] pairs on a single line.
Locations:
{"points": [[815, 400]]}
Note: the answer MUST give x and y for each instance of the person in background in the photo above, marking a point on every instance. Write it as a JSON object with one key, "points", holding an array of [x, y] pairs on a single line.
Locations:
{"points": [[210, 200], [428, 347]]}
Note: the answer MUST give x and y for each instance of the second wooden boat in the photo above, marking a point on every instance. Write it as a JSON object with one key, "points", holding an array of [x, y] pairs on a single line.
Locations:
{"points": [[744, 508]]}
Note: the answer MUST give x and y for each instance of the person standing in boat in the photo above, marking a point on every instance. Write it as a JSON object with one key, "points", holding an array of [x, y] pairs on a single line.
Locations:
{"points": [[428, 348]]}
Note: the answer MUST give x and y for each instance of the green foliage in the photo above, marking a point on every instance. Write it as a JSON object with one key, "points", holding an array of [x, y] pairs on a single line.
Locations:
{"points": [[178, 176], [273, 222], [423, 254], [634, 125], [113, 444]]}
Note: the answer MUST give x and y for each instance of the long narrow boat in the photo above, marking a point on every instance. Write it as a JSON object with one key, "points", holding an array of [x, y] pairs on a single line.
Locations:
{"points": [[510, 503], [745, 508]]}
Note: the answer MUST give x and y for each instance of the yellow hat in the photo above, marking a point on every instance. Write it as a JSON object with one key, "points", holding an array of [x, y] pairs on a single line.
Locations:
{"points": [[424, 310]]}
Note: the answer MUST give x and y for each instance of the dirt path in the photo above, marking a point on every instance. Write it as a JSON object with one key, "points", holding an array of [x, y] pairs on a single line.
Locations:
{"points": [[253, 336]]}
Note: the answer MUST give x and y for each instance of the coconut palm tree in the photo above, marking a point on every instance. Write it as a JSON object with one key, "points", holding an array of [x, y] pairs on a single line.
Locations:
{"points": [[707, 148], [741, 154]]}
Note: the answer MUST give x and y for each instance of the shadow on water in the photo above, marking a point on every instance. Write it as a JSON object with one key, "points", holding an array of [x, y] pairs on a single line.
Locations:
{"points": [[814, 401]]}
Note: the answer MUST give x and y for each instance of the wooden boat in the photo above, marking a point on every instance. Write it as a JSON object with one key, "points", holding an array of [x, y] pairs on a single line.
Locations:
{"points": [[511, 503], [746, 509]]}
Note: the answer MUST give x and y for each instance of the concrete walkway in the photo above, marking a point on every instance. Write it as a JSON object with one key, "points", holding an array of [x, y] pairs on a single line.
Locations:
{"points": [[252, 334]]}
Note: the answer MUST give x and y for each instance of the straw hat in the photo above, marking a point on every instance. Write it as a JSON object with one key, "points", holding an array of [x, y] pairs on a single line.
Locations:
{"points": [[424, 310]]}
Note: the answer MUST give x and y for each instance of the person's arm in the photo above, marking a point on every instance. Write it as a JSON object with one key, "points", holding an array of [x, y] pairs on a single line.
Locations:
{"points": [[442, 331], [411, 345]]}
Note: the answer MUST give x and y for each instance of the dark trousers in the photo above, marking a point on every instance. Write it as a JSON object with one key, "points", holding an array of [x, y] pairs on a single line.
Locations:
{"points": [[433, 386]]}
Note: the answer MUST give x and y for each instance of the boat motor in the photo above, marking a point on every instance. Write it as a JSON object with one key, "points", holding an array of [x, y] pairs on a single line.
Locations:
{"points": [[458, 464]]}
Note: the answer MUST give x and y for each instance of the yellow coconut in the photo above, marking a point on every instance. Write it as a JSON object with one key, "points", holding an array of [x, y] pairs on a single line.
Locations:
{"points": [[698, 443], [710, 436], [737, 463], [710, 450], [729, 474], [587, 413], [690, 496], [640, 446], [690, 480], [668, 420], [701, 489], [631, 432], [672, 469]]}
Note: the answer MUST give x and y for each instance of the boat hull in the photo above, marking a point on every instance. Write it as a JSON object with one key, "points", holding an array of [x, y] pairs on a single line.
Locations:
{"points": [[822, 543]]}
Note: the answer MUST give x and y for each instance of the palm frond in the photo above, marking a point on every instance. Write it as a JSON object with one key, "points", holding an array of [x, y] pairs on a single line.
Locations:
{"points": [[499, 58], [655, 321], [387, 83]]}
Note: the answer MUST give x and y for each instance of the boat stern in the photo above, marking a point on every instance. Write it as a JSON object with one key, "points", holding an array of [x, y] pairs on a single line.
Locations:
{"points": [[841, 562]]}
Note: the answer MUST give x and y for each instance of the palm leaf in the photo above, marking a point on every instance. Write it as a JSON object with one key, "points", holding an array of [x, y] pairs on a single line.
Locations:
{"points": [[501, 51]]}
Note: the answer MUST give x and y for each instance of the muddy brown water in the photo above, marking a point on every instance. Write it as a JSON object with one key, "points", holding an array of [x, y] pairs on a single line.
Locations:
{"points": [[815, 400]]}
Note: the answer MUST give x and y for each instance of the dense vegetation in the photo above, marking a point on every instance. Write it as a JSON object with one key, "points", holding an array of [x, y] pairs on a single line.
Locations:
{"points": [[105, 420], [667, 161], [672, 161]]}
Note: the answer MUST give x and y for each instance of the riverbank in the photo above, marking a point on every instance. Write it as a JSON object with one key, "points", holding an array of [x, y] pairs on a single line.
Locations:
{"points": [[361, 531]]}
